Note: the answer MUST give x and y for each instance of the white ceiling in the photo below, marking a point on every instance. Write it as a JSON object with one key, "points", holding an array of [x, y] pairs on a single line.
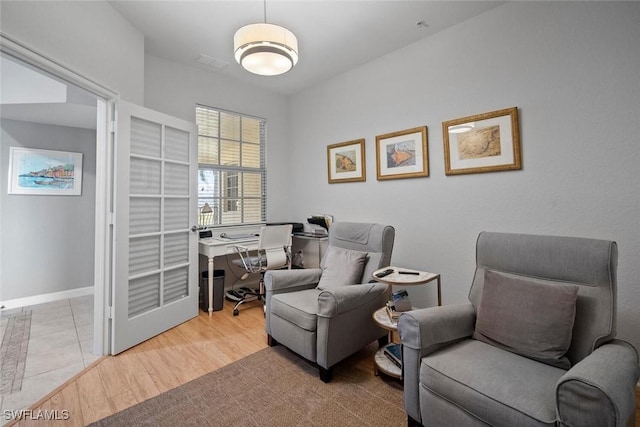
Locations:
{"points": [[333, 36]]}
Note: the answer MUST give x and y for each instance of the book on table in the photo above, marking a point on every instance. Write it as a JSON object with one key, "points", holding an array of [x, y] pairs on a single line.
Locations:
{"points": [[393, 352], [401, 300], [398, 303], [391, 311]]}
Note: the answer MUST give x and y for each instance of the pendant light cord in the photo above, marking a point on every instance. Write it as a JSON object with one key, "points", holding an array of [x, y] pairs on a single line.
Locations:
{"points": [[265, 11]]}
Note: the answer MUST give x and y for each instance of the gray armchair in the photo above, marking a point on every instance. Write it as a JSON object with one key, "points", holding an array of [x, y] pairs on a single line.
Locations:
{"points": [[325, 314], [535, 347]]}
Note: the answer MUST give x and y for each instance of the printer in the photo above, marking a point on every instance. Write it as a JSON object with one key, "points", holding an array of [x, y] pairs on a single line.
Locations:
{"points": [[298, 227]]}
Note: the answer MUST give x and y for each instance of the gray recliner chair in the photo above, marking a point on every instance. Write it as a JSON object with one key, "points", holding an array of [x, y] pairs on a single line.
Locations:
{"points": [[325, 314], [535, 347]]}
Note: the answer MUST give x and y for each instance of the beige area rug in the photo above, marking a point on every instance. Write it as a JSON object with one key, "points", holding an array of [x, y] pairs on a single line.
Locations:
{"points": [[273, 387]]}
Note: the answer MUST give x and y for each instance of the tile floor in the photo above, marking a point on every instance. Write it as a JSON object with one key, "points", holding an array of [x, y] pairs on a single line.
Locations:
{"points": [[60, 344]]}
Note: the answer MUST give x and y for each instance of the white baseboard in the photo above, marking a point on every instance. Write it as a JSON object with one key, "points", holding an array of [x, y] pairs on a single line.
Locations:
{"points": [[40, 299]]}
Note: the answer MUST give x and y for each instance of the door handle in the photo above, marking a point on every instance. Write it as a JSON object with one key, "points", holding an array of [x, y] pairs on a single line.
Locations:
{"points": [[194, 229]]}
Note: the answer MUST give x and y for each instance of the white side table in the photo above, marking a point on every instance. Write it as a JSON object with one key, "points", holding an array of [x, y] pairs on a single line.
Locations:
{"points": [[399, 277], [382, 362], [408, 277]]}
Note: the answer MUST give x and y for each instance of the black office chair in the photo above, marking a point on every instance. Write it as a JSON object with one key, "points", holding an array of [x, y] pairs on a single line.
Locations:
{"points": [[274, 251]]}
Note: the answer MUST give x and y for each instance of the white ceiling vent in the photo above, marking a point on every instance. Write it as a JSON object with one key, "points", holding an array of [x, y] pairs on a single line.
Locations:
{"points": [[211, 62]]}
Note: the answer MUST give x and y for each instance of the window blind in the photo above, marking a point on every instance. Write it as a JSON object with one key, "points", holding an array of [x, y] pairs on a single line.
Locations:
{"points": [[231, 167]]}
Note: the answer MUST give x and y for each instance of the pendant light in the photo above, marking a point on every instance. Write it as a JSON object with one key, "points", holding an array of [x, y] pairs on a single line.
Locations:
{"points": [[265, 49]]}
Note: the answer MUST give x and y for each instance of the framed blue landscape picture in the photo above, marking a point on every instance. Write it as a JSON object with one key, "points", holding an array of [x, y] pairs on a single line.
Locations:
{"points": [[44, 172]]}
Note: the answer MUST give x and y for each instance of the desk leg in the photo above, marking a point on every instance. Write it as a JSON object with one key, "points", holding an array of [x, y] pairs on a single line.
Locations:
{"points": [[439, 294], [210, 285]]}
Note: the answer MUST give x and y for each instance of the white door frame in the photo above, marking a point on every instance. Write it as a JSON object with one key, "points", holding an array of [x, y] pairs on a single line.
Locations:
{"points": [[104, 169]]}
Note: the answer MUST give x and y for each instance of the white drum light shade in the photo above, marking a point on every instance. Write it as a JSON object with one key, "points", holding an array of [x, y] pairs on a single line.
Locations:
{"points": [[265, 49]]}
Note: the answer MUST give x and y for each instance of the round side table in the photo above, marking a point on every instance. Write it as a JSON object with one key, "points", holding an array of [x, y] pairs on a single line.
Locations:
{"points": [[408, 277], [399, 277], [383, 363]]}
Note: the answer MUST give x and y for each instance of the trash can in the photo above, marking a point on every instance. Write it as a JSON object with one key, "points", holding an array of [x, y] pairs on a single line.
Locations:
{"points": [[218, 290]]}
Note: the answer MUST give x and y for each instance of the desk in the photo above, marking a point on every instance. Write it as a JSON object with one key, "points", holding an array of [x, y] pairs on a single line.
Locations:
{"points": [[216, 246], [311, 249]]}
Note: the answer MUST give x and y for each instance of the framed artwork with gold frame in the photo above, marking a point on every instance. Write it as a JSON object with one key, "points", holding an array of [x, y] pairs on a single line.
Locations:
{"points": [[402, 154], [486, 142], [346, 162]]}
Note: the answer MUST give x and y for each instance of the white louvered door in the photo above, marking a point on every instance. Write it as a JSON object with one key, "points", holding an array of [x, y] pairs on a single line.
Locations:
{"points": [[155, 282]]}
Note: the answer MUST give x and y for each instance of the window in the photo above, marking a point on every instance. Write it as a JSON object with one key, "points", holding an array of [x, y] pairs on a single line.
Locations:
{"points": [[231, 168], [231, 191]]}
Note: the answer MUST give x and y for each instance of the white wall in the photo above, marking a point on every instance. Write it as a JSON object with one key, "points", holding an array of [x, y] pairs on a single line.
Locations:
{"points": [[572, 69], [89, 37], [47, 242], [175, 89]]}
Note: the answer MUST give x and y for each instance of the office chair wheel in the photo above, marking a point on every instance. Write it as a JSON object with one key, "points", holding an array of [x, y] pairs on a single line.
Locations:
{"points": [[236, 311]]}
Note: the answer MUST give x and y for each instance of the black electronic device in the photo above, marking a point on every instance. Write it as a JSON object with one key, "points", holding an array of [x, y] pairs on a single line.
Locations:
{"points": [[205, 234], [323, 221], [384, 273], [297, 227]]}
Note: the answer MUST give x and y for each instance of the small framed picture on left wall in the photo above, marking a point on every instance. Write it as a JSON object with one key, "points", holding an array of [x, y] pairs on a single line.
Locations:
{"points": [[44, 172], [346, 162]]}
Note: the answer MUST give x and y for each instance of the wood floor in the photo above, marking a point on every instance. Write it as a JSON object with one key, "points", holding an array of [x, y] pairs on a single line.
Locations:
{"points": [[184, 353]]}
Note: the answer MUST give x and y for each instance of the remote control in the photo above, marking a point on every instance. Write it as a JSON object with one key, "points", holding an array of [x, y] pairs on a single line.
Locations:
{"points": [[386, 272]]}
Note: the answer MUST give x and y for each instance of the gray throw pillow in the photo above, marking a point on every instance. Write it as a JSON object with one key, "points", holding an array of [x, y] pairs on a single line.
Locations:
{"points": [[528, 318], [341, 267]]}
